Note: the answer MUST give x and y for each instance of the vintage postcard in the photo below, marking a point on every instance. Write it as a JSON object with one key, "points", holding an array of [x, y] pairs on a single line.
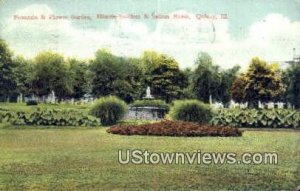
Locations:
{"points": [[150, 95]]}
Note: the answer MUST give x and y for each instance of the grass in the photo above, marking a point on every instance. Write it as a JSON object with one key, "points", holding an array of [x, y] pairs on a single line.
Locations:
{"points": [[86, 159], [83, 158]]}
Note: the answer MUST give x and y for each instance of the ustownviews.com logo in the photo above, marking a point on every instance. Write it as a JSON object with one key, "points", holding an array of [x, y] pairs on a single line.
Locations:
{"points": [[137, 156]]}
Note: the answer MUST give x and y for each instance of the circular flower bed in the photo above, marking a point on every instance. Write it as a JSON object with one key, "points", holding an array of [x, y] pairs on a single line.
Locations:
{"points": [[175, 128]]}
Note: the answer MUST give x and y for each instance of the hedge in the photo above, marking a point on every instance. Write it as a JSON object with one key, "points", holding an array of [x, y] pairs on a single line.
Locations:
{"points": [[48, 117], [258, 118]]}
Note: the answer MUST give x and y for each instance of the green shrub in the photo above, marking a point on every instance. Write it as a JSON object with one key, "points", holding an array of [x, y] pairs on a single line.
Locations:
{"points": [[191, 110], [109, 109], [152, 103], [31, 102], [47, 117], [257, 118]]}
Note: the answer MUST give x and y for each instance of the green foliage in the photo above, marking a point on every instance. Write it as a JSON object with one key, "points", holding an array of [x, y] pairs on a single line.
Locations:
{"points": [[261, 82], [78, 77], [128, 86], [7, 74], [187, 92], [237, 88], [52, 73], [109, 109], [206, 79], [48, 117], [275, 118], [112, 75], [191, 110], [210, 80], [103, 73], [163, 75], [31, 102], [292, 81], [23, 73], [227, 78], [15, 74], [151, 102]]}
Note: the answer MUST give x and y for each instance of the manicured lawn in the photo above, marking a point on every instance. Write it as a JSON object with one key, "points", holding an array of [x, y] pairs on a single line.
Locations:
{"points": [[87, 159]]}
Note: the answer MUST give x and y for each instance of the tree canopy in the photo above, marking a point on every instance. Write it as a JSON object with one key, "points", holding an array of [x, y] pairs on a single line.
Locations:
{"points": [[262, 82], [292, 81], [163, 76], [79, 77], [23, 75], [207, 77], [52, 74], [210, 81], [128, 78], [112, 75], [7, 72]]}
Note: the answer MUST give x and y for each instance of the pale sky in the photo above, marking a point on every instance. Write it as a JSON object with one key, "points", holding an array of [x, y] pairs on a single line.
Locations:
{"points": [[269, 29]]}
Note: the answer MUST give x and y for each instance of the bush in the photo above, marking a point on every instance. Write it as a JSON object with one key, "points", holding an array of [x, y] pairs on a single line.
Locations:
{"points": [[257, 118], [191, 110], [152, 103], [175, 128], [31, 102], [109, 109], [47, 117]]}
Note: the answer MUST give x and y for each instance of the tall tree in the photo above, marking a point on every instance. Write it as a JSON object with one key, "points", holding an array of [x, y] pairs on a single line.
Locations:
{"points": [[23, 73], [262, 82], [79, 77], [163, 76], [104, 70], [7, 75], [112, 75], [129, 85], [237, 88], [292, 81], [52, 74], [188, 92], [207, 78], [227, 78]]}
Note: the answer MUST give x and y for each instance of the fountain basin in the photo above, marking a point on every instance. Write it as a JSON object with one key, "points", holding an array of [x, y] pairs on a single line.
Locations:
{"points": [[146, 113]]}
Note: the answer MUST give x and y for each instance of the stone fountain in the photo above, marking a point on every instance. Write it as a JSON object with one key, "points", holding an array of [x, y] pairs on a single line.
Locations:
{"points": [[146, 112]]}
